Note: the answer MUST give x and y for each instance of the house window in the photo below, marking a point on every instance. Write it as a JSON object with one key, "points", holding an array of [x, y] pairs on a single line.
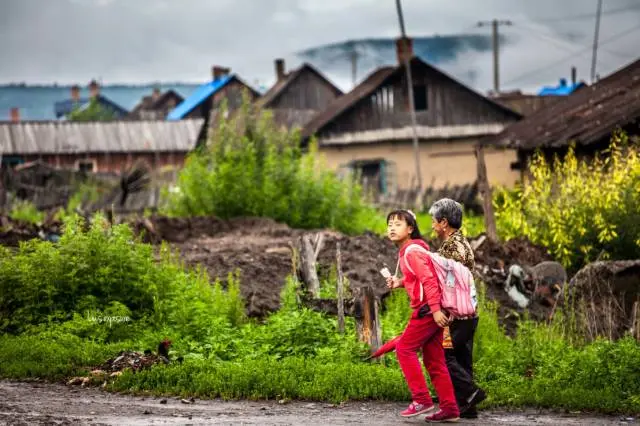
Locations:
{"points": [[85, 166], [420, 97]]}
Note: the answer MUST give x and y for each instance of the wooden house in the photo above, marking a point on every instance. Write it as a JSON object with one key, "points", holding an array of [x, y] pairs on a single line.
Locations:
{"points": [[586, 117], [156, 106], [102, 147], [298, 95], [206, 100], [370, 130]]}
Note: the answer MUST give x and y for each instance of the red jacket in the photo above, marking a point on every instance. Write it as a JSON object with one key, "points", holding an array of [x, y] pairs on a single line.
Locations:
{"points": [[425, 275]]}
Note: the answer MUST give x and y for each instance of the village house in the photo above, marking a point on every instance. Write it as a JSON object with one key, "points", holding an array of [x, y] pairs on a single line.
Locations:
{"points": [[369, 129], [586, 117], [526, 104], [98, 147], [63, 108], [206, 100], [298, 95], [156, 106]]}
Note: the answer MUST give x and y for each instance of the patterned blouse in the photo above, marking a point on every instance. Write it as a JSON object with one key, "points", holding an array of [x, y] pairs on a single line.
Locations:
{"points": [[457, 247]]}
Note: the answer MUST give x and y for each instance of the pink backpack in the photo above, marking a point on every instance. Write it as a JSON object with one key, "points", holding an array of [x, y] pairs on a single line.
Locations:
{"points": [[456, 283]]}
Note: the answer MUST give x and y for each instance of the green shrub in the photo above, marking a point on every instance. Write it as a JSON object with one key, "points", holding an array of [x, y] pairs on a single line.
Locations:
{"points": [[26, 211], [251, 168], [581, 210]]}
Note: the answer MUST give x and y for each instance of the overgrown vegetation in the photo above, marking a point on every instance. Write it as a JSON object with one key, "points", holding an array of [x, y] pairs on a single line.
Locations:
{"points": [[581, 210], [52, 296], [92, 111], [26, 211], [249, 167]]}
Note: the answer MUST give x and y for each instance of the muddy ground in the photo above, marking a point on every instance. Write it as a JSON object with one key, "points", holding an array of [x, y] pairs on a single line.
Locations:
{"points": [[53, 404], [261, 249]]}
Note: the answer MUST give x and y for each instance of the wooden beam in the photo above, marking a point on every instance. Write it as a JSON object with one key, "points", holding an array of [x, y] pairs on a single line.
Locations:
{"points": [[485, 190], [340, 292]]}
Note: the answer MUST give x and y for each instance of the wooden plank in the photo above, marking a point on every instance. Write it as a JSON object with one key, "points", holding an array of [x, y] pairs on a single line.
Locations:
{"points": [[340, 292], [485, 191]]}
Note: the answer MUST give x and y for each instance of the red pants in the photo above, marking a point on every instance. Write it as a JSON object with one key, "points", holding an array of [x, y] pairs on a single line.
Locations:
{"points": [[424, 333]]}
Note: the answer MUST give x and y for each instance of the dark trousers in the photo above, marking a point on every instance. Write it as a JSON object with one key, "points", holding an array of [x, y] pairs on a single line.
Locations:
{"points": [[460, 358]]}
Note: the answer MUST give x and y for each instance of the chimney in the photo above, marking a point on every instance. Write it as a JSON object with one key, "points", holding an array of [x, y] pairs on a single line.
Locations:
{"points": [[219, 71], [75, 93], [15, 115], [404, 49], [574, 76], [156, 94], [94, 89], [280, 72]]}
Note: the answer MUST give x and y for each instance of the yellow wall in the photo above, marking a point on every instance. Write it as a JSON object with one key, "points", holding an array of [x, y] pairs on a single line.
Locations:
{"points": [[441, 162]]}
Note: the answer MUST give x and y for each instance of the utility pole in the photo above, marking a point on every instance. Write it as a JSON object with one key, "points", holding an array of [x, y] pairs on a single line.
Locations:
{"points": [[412, 107], [595, 42], [496, 49]]}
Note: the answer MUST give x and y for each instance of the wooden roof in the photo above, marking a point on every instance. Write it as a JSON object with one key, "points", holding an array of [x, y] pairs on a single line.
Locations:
{"points": [[585, 116]]}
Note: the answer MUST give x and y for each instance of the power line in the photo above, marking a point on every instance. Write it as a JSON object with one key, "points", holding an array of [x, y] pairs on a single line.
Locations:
{"points": [[573, 55], [545, 36], [587, 15]]}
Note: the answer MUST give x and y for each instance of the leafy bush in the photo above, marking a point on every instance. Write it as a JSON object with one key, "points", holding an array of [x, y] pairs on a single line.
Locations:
{"points": [[251, 168], [26, 211], [581, 210], [93, 111]]}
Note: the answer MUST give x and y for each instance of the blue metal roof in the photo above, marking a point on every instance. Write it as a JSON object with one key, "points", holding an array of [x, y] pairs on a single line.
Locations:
{"points": [[561, 89], [201, 94]]}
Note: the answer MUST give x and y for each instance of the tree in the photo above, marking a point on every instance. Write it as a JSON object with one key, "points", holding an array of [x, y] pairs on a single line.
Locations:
{"points": [[93, 111]]}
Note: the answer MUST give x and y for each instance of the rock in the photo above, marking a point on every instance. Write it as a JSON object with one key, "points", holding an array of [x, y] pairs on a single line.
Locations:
{"points": [[163, 401]]}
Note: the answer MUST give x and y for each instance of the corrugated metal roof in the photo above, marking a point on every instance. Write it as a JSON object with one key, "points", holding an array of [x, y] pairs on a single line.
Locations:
{"points": [[65, 137], [197, 97]]}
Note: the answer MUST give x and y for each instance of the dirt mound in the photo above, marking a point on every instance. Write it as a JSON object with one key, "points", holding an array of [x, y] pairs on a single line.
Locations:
{"points": [[261, 250], [611, 291], [516, 251]]}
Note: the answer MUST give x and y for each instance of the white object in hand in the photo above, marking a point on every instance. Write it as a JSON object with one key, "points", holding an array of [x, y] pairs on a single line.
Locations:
{"points": [[385, 272]]}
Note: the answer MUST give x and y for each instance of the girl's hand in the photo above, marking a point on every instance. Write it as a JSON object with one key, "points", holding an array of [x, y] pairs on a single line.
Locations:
{"points": [[441, 319], [394, 282]]}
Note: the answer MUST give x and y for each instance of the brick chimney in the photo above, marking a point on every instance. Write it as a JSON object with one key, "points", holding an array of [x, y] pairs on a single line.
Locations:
{"points": [[156, 94], [219, 71], [15, 115], [75, 93], [94, 89], [280, 72], [404, 49]]}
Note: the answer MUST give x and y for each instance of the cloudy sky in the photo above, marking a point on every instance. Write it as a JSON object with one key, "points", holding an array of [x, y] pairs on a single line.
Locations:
{"points": [[136, 41]]}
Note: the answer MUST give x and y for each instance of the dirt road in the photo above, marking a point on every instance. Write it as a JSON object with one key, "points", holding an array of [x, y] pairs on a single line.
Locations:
{"points": [[52, 404]]}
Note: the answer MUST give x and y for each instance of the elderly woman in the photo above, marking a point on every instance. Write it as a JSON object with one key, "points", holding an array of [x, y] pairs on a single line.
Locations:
{"points": [[446, 215]]}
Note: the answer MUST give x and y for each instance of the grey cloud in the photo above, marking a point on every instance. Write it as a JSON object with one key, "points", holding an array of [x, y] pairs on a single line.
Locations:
{"points": [[149, 40]]}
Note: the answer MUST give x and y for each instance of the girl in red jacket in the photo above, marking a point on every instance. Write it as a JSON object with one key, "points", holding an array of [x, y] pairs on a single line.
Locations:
{"points": [[425, 327]]}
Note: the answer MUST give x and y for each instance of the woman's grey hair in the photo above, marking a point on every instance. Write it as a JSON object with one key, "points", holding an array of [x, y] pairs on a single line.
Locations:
{"points": [[449, 209]]}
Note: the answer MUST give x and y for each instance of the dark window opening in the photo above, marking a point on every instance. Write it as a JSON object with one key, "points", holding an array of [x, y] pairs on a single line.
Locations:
{"points": [[85, 166], [420, 97], [372, 176]]}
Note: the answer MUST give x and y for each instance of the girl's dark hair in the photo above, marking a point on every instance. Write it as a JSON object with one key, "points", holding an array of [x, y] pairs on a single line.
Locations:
{"points": [[411, 221]]}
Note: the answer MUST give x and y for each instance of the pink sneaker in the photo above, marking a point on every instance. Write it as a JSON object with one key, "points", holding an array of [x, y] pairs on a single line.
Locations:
{"points": [[442, 417], [416, 409]]}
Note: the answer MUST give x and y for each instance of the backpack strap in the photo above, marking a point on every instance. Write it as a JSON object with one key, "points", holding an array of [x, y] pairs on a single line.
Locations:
{"points": [[406, 263]]}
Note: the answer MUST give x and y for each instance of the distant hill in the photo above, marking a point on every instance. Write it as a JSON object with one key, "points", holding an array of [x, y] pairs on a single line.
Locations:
{"points": [[374, 52]]}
